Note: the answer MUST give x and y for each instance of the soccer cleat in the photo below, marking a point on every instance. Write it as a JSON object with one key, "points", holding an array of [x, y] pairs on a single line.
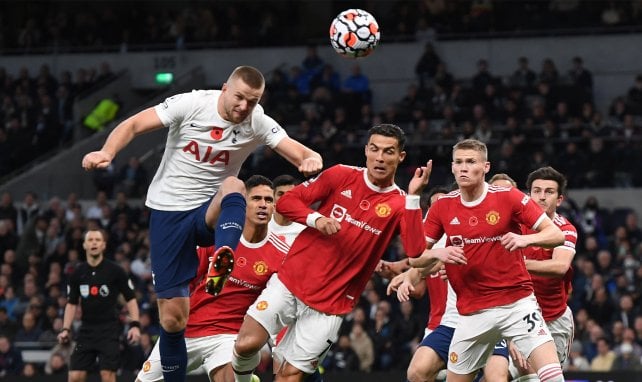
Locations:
{"points": [[221, 266]]}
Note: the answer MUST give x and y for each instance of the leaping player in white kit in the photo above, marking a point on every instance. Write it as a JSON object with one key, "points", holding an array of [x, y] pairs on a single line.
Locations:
{"points": [[195, 197]]}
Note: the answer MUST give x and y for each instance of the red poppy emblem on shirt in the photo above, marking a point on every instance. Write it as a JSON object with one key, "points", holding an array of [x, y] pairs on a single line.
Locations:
{"points": [[216, 133], [93, 290]]}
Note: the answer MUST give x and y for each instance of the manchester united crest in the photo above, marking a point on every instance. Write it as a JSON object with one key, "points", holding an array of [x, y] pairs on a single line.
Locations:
{"points": [[261, 305], [260, 268], [453, 357], [146, 366], [383, 210], [492, 217]]}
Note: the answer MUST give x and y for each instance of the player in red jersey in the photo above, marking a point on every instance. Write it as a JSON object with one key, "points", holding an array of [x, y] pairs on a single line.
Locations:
{"points": [[214, 321], [360, 211], [486, 268], [550, 269]]}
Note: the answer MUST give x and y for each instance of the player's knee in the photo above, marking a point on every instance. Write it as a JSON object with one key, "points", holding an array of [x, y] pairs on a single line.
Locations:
{"points": [[173, 323], [419, 373], [247, 345], [496, 375], [232, 184]]}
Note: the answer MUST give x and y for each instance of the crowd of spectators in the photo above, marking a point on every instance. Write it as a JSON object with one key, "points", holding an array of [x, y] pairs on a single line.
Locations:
{"points": [[41, 242], [64, 26], [37, 111], [529, 118]]}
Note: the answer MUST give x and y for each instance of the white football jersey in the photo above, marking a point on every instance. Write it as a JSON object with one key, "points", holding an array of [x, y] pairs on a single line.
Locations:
{"points": [[203, 149], [287, 233]]}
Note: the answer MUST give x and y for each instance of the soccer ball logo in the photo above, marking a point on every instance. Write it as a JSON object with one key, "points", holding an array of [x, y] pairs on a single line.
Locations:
{"points": [[354, 33]]}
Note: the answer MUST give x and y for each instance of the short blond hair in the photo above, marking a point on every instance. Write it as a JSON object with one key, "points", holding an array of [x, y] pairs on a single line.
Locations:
{"points": [[472, 144], [249, 75]]}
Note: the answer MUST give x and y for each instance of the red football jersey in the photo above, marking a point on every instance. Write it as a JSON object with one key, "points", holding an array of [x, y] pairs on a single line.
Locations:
{"points": [[328, 273], [551, 292], [254, 263], [493, 276], [437, 294]]}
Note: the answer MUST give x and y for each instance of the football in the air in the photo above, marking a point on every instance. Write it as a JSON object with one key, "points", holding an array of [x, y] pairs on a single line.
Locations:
{"points": [[354, 33]]}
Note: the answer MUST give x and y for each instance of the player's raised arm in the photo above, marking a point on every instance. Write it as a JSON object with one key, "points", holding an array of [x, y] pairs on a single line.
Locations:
{"points": [[308, 161], [140, 123]]}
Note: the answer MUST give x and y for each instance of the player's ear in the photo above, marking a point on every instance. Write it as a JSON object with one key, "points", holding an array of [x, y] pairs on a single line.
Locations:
{"points": [[486, 167], [402, 156]]}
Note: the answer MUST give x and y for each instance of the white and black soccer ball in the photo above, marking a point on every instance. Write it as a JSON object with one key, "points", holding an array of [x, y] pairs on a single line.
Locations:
{"points": [[354, 33]]}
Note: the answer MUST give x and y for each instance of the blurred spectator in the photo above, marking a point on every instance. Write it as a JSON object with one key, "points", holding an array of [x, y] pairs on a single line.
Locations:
{"points": [[8, 327], [576, 360], [363, 347], [482, 78], [627, 360], [605, 357], [132, 178], [582, 79], [30, 370], [7, 208], [634, 95], [27, 210], [29, 331], [56, 365], [341, 357], [10, 358], [549, 73], [426, 67], [523, 77]]}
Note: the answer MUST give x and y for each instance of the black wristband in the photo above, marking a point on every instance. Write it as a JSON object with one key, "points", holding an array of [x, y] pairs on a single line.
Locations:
{"points": [[65, 330], [134, 324]]}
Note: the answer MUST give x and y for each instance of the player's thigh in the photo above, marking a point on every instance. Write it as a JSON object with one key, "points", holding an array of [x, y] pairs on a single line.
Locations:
{"points": [[308, 339], [173, 240], [473, 342], [496, 369], [562, 329], [275, 307], [424, 365], [212, 352], [523, 324]]}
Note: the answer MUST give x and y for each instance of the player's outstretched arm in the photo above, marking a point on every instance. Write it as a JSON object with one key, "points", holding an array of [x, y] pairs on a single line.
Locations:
{"points": [[306, 160], [557, 266], [430, 258], [548, 236], [140, 123]]}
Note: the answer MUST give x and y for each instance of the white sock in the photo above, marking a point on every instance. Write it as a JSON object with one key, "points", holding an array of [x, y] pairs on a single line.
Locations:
{"points": [[244, 366], [551, 373]]}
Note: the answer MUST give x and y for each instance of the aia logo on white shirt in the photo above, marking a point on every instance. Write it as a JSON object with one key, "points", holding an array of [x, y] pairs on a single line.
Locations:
{"points": [[347, 193], [338, 212]]}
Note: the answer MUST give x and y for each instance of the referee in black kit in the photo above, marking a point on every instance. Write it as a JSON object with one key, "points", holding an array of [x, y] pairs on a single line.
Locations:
{"points": [[95, 285]]}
